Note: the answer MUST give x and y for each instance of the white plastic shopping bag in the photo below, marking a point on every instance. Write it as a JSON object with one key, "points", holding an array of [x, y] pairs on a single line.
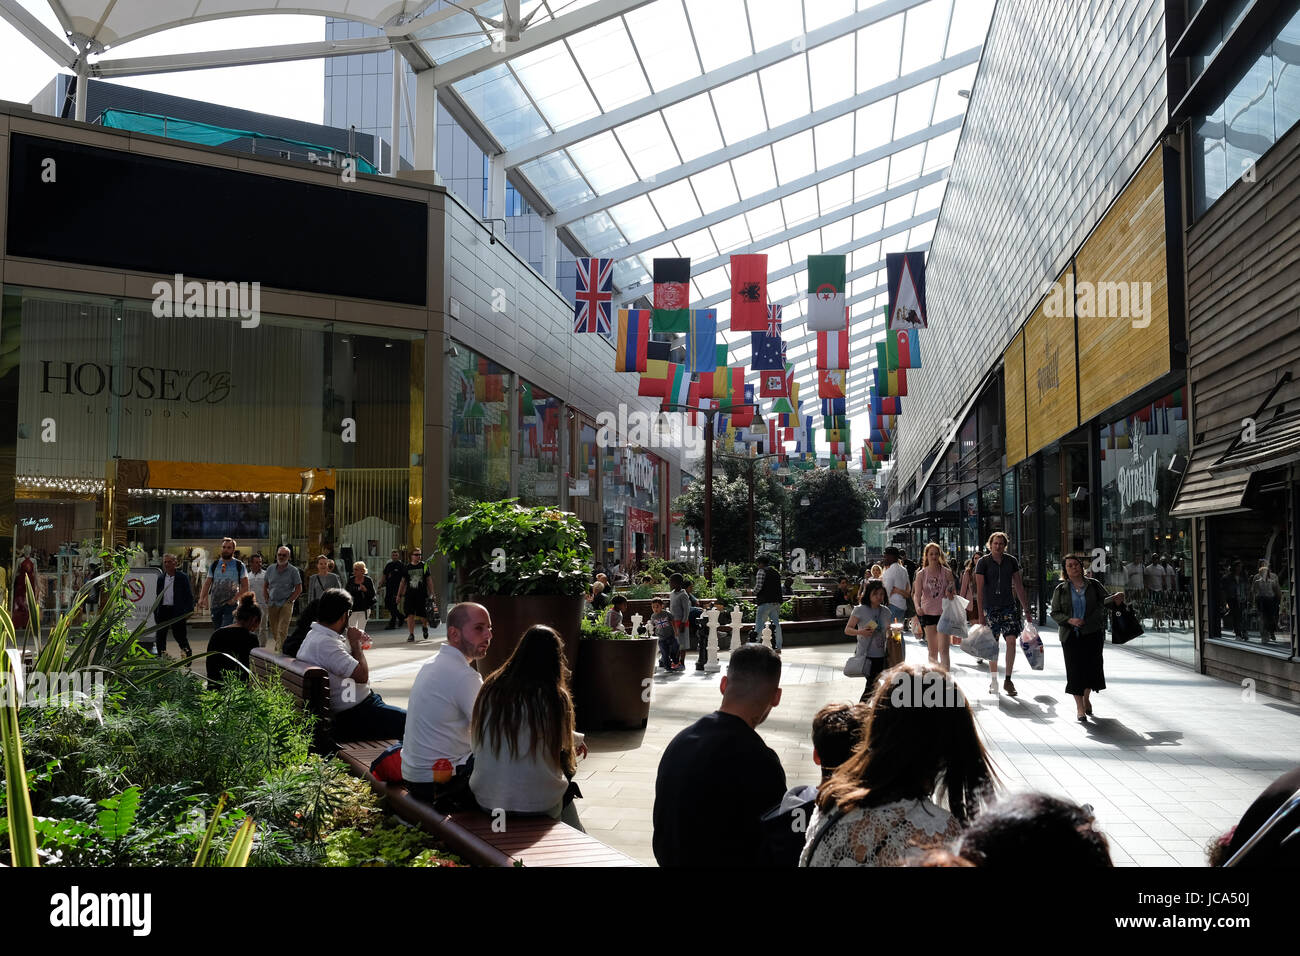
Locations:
{"points": [[1032, 645], [953, 619], [981, 643]]}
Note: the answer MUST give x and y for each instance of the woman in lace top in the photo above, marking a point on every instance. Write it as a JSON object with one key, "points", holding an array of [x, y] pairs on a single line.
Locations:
{"points": [[920, 739]]}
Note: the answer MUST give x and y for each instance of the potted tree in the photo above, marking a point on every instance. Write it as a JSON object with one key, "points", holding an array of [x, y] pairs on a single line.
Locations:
{"points": [[612, 684], [525, 565]]}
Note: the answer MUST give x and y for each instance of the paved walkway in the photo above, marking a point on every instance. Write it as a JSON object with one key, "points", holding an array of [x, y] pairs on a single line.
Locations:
{"points": [[1171, 760]]}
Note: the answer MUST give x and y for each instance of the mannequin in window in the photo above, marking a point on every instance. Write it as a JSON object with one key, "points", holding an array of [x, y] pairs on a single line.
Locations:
{"points": [[26, 573]]}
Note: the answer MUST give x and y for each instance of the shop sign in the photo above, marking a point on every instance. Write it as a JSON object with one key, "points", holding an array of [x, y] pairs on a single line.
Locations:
{"points": [[139, 521], [201, 386], [38, 524], [1137, 481], [640, 469], [640, 521]]}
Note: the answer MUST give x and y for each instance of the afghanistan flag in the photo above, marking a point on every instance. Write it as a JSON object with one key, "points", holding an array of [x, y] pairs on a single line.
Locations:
{"points": [[631, 344], [594, 295], [826, 281], [833, 347], [906, 275], [767, 351], [749, 293], [677, 386], [702, 341], [654, 381], [831, 383], [903, 349], [672, 295]]}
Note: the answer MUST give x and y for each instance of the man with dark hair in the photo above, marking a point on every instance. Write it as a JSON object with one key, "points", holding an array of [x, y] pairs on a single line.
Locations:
{"points": [[717, 777], [767, 595], [836, 731], [394, 573], [413, 594], [227, 579], [359, 713], [1032, 832]]}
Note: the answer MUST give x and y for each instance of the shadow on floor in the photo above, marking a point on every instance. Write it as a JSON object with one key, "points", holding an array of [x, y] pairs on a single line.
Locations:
{"points": [[1111, 730]]}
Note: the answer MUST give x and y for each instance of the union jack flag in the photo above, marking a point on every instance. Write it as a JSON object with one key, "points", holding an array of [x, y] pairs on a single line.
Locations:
{"points": [[594, 298], [774, 321]]}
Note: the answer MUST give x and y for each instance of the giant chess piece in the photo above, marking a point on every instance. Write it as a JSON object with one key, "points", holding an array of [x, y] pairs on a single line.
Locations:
{"points": [[735, 625], [712, 666], [767, 633], [636, 624]]}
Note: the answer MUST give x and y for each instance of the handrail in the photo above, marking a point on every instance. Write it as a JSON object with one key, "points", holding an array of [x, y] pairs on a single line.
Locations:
{"points": [[1290, 804]]}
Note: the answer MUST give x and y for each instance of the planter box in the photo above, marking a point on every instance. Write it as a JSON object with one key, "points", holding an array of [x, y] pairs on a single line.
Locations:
{"points": [[512, 616], [611, 683]]}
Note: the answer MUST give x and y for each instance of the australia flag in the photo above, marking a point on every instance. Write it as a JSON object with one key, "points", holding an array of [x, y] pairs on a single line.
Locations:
{"points": [[767, 351]]}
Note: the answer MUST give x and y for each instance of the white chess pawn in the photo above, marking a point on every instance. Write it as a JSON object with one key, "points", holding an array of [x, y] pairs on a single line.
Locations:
{"points": [[767, 633], [736, 616], [636, 624], [711, 616]]}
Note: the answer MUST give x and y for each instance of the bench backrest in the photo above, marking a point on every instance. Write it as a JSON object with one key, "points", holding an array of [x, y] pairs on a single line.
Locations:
{"points": [[306, 683], [815, 608]]}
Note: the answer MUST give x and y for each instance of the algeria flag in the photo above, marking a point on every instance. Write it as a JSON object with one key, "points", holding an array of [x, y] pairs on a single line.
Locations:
{"points": [[826, 281]]}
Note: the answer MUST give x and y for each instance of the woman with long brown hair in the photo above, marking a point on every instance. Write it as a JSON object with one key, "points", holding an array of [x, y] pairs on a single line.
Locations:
{"points": [[920, 740], [525, 747], [932, 584]]}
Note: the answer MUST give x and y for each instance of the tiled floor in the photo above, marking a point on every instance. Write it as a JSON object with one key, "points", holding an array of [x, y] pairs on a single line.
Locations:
{"points": [[1172, 759]]}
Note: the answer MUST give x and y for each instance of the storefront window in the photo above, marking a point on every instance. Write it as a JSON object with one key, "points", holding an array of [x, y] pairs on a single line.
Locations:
{"points": [[479, 468], [992, 517], [1148, 553], [970, 528], [1251, 574], [293, 432], [539, 446], [1051, 505], [1026, 549], [630, 492]]}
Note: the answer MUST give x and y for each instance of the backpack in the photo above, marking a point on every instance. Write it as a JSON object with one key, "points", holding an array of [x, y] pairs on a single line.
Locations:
{"points": [[785, 826]]}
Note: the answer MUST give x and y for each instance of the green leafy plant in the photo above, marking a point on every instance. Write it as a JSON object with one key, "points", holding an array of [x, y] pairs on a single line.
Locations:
{"points": [[642, 592], [595, 631], [388, 843], [541, 550]]}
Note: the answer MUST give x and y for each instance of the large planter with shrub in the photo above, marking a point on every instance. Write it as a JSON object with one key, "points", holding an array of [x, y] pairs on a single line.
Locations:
{"points": [[612, 683], [527, 566]]}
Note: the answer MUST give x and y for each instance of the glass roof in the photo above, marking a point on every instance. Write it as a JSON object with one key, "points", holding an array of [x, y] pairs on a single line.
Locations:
{"points": [[705, 128]]}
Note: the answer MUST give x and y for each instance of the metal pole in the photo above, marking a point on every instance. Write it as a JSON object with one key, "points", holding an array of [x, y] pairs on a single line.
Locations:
{"points": [[708, 495], [83, 85], [751, 512], [395, 144]]}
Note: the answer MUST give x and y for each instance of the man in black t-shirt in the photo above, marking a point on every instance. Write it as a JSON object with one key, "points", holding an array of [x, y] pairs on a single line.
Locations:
{"points": [[717, 777], [414, 593], [997, 588], [393, 573]]}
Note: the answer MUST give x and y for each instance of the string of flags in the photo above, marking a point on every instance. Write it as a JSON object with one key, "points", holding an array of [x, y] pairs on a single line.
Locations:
{"points": [[702, 381]]}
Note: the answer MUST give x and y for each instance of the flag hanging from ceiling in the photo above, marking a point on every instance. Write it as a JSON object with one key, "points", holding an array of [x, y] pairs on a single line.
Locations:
{"points": [[749, 292], [702, 341], [830, 383], [714, 384], [774, 444], [904, 348], [632, 341], [774, 384], [833, 406], [826, 281], [833, 346], [906, 272], [594, 295], [658, 351], [882, 356], [677, 386], [654, 380], [672, 295], [883, 405], [838, 435], [884, 421], [882, 449], [767, 350], [891, 383], [742, 407]]}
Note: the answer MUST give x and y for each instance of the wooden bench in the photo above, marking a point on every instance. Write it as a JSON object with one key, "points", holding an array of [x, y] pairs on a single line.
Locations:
{"points": [[534, 841]]}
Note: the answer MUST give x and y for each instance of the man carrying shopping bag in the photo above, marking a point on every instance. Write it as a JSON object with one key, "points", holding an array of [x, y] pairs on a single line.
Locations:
{"points": [[1001, 597]]}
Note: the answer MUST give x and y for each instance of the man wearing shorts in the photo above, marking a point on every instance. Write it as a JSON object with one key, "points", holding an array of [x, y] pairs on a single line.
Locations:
{"points": [[413, 593], [998, 587]]}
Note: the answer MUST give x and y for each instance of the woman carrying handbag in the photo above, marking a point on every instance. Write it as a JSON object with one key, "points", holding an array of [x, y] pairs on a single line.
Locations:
{"points": [[869, 623], [1079, 607]]}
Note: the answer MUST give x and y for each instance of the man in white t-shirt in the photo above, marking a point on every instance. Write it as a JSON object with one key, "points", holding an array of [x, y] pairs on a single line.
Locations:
{"points": [[256, 578], [358, 712], [442, 703], [896, 583]]}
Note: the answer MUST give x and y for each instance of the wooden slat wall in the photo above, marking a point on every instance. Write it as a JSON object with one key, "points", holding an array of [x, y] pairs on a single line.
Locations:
{"points": [[1013, 363], [1115, 358], [1054, 410]]}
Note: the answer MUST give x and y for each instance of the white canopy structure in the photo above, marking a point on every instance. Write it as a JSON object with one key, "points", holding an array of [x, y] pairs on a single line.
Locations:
{"points": [[645, 128]]}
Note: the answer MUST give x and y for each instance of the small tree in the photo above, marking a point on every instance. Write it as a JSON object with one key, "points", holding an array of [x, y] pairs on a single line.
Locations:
{"points": [[837, 506], [731, 508]]}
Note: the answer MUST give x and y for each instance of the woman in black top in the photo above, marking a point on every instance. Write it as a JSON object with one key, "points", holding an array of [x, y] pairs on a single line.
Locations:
{"points": [[1079, 607], [364, 597], [230, 644]]}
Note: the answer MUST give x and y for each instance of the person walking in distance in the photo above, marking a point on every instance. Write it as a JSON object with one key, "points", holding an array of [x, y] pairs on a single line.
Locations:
{"points": [[227, 579], [413, 594], [362, 590], [256, 582], [897, 584], [323, 580], [393, 575], [1079, 609], [175, 606], [999, 587], [767, 595], [281, 587]]}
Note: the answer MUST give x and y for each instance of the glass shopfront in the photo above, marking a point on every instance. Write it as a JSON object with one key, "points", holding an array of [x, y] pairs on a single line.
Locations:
{"points": [[539, 446], [168, 434], [1250, 594], [479, 467], [1148, 553], [631, 504]]}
